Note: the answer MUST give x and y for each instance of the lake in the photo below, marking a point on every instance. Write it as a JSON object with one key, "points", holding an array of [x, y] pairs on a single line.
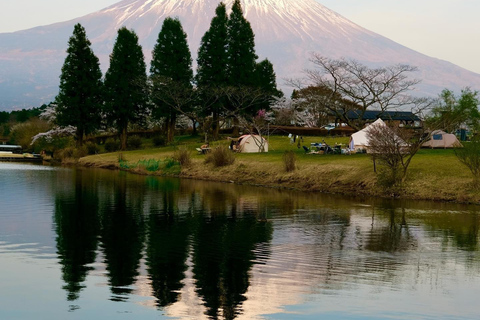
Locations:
{"points": [[98, 244]]}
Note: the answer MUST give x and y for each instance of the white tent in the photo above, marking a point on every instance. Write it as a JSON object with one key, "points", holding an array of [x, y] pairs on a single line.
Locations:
{"points": [[359, 140], [441, 139], [252, 143]]}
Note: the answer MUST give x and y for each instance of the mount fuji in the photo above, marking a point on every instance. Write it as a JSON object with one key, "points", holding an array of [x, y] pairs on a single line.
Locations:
{"points": [[286, 32]]}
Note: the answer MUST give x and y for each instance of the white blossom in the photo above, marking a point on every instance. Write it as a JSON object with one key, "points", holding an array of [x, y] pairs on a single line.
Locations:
{"points": [[55, 133]]}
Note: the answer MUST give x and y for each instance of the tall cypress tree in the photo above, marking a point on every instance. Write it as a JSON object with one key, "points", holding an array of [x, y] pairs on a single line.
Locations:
{"points": [[79, 100], [266, 81], [241, 60], [212, 58], [212, 63], [241, 49], [125, 83], [171, 72]]}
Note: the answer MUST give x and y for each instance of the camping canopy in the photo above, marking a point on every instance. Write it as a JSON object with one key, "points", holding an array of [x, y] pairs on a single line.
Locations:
{"points": [[441, 139], [252, 143], [359, 140]]}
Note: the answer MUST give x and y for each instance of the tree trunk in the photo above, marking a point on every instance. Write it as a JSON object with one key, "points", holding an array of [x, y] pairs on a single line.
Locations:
{"points": [[171, 128], [216, 125], [79, 137], [123, 139], [236, 128], [194, 127]]}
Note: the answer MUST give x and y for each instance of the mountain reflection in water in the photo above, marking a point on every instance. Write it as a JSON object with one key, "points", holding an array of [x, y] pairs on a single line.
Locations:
{"points": [[192, 250]]}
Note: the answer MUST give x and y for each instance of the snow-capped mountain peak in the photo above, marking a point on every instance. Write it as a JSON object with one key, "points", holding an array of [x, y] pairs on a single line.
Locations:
{"points": [[286, 32]]}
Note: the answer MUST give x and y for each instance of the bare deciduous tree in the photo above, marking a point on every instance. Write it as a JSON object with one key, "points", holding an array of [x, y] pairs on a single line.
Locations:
{"points": [[394, 148], [469, 155], [340, 86]]}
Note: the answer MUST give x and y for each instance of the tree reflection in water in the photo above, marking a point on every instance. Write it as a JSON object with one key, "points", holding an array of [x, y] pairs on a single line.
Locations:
{"points": [[212, 236], [168, 233], [122, 235], [224, 252], [77, 228]]}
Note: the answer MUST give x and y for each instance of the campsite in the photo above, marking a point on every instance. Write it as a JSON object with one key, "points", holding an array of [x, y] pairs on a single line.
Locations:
{"points": [[435, 174]]}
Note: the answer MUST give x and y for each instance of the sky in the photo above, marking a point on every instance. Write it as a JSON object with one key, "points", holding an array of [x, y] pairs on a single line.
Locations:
{"points": [[444, 29]]}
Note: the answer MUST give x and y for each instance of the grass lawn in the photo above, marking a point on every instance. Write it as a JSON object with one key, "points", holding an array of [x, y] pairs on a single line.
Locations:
{"points": [[433, 174]]}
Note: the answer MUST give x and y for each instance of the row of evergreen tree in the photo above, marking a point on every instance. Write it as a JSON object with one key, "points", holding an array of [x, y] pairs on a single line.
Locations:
{"points": [[126, 95]]}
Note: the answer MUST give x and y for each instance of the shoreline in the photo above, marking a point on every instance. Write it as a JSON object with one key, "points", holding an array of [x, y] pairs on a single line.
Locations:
{"points": [[347, 176]]}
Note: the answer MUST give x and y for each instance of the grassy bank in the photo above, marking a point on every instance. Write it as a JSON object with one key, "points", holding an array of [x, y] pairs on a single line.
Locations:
{"points": [[433, 174]]}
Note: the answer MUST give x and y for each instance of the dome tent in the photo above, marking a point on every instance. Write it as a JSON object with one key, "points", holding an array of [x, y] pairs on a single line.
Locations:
{"points": [[252, 143], [441, 139]]}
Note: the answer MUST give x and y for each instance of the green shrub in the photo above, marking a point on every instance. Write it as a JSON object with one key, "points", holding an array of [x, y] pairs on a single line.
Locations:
{"points": [[289, 161], [112, 145], [150, 164], [170, 163], [80, 152], [71, 153], [182, 155], [134, 142], [159, 141], [220, 156], [92, 147], [64, 153]]}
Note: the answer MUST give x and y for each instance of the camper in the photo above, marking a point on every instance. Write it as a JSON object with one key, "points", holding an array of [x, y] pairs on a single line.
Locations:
{"points": [[250, 143], [441, 139]]}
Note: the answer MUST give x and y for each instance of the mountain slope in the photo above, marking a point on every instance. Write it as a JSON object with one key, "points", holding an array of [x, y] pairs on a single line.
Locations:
{"points": [[287, 31]]}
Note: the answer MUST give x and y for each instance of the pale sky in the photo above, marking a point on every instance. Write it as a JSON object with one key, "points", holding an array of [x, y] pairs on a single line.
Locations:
{"points": [[445, 29]]}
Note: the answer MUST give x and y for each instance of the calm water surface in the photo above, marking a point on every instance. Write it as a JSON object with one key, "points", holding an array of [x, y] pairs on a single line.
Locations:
{"points": [[94, 244]]}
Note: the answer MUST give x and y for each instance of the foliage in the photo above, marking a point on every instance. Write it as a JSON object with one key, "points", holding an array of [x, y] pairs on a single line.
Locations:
{"points": [[340, 86], [151, 165], [112, 145], [159, 140], [267, 81], [241, 49], [212, 65], [134, 142], [125, 84], [22, 133], [92, 147], [4, 117], [289, 161], [183, 156], [171, 74], [394, 147], [70, 152], [212, 55], [469, 156], [54, 139], [453, 112], [80, 99], [220, 156]]}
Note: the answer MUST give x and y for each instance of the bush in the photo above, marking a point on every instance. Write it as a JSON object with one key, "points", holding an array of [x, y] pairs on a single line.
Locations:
{"points": [[92, 148], [150, 165], [220, 156], [159, 141], [289, 161], [65, 153], [80, 152], [182, 155], [134, 142], [469, 156], [71, 153], [112, 145]]}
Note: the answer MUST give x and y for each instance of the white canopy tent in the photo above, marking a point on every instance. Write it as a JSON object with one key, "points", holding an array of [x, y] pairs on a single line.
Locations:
{"points": [[359, 140]]}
